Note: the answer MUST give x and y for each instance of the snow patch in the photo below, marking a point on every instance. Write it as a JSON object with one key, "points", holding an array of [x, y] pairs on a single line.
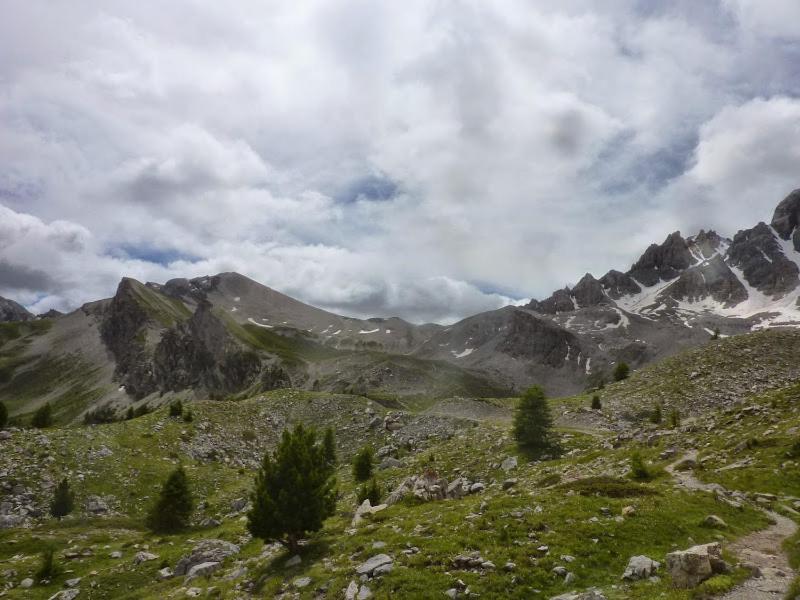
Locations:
{"points": [[466, 352], [254, 322], [363, 331]]}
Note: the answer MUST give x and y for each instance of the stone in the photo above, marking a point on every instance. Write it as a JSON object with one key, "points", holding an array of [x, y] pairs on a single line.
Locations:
{"points": [[165, 573], [302, 582], [96, 505], [142, 556], [351, 591], [451, 593], [587, 595], [373, 563], [26, 583], [115, 554], [390, 463], [65, 595], [628, 511], [477, 487], [73, 583], [293, 561], [689, 568], [364, 593], [509, 483], [193, 592], [206, 551], [509, 464], [202, 569], [238, 505], [640, 567]]}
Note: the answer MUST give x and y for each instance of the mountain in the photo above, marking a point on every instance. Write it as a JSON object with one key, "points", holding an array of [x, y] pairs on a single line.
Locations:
{"points": [[11, 311], [227, 335]]}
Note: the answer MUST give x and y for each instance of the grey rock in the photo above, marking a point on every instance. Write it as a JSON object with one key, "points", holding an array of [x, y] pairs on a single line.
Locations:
{"points": [[201, 569], [206, 551], [368, 567], [509, 464], [640, 567], [302, 582], [689, 568]]}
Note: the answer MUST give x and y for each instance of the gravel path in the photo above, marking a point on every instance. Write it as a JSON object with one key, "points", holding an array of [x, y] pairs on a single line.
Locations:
{"points": [[762, 549]]}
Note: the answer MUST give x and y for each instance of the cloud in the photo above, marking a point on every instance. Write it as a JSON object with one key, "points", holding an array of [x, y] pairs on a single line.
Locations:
{"points": [[383, 158]]}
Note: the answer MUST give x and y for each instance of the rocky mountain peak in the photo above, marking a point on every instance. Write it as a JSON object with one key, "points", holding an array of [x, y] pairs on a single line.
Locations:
{"points": [[589, 292], [663, 262], [786, 218], [12, 311]]}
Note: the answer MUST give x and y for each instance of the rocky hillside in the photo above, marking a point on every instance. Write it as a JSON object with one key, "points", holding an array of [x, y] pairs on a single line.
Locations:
{"points": [[11, 311], [465, 514]]}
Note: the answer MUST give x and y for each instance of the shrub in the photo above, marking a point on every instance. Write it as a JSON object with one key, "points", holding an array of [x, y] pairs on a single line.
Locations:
{"points": [[621, 371], [248, 435], [329, 446], [532, 421], [172, 510], [130, 414], [142, 410], [48, 568], [103, 414], [794, 451], [362, 464], [370, 491], [3, 416], [176, 409], [63, 500], [674, 418], [596, 404], [295, 490], [188, 417], [639, 470], [655, 416], [43, 417]]}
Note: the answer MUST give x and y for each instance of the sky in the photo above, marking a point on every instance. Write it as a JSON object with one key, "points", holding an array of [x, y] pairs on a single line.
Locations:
{"points": [[425, 159]]}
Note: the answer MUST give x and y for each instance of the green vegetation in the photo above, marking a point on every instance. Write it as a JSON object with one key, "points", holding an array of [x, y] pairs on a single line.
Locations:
{"points": [[596, 403], [295, 490], [655, 416], [165, 310], [639, 470], [674, 418], [3, 415], [43, 417], [63, 500], [362, 464], [48, 568], [329, 446], [176, 409], [532, 422], [621, 371], [370, 491], [172, 511]]}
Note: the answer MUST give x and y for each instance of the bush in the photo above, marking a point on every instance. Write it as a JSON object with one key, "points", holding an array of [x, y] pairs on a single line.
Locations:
{"points": [[63, 500], [43, 417], [639, 470], [655, 416], [621, 371], [3, 416], [248, 435], [103, 414], [362, 464], [794, 451], [48, 568], [329, 446], [674, 418], [188, 417], [176, 409], [370, 491], [596, 404], [295, 490], [172, 510], [142, 410], [532, 421], [130, 414]]}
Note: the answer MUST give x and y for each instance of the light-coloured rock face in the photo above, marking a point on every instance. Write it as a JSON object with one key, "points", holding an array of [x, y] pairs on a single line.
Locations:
{"points": [[206, 552], [587, 595], [509, 464], [369, 567], [689, 568], [199, 570], [640, 567]]}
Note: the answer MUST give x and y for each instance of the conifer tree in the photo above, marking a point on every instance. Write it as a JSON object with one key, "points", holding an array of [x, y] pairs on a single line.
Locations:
{"points": [[43, 417], [596, 404], [621, 371], [655, 416], [63, 500], [3, 416], [295, 490], [532, 421], [329, 446], [362, 464], [176, 409], [370, 491], [172, 510]]}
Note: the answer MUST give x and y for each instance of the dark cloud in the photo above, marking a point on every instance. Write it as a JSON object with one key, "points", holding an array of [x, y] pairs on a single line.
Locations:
{"points": [[22, 278]]}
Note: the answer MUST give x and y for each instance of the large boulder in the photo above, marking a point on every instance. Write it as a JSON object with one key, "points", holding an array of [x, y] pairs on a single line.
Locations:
{"points": [[640, 567], [206, 551], [380, 563], [689, 568]]}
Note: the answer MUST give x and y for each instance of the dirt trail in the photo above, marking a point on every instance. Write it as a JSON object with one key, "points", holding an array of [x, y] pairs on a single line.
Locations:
{"points": [[762, 549]]}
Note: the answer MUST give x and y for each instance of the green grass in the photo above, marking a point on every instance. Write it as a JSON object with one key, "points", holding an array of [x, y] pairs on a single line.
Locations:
{"points": [[162, 308]]}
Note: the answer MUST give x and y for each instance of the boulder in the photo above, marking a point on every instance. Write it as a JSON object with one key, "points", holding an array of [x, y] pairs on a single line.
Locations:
{"points": [[201, 570], [640, 567], [715, 522], [141, 557], [206, 551], [368, 568], [351, 591], [509, 464], [390, 463], [65, 595], [96, 505], [689, 568]]}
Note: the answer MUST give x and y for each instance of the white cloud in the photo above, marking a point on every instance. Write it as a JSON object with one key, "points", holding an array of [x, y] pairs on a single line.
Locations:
{"points": [[525, 143]]}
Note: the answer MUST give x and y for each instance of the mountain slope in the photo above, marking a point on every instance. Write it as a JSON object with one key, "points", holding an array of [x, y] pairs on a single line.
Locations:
{"points": [[11, 311]]}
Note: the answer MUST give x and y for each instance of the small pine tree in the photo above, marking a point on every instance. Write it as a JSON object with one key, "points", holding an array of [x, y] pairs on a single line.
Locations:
{"points": [[188, 417], [130, 414], [674, 418], [370, 491], [655, 416], [596, 404], [295, 490], [532, 421], [176, 409], [715, 335], [362, 464], [43, 417], [48, 568], [621, 371], [63, 500], [3, 416], [172, 510], [329, 446], [639, 470]]}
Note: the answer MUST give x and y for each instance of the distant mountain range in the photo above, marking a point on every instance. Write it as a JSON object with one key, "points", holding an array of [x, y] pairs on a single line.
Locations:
{"points": [[226, 335]]}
